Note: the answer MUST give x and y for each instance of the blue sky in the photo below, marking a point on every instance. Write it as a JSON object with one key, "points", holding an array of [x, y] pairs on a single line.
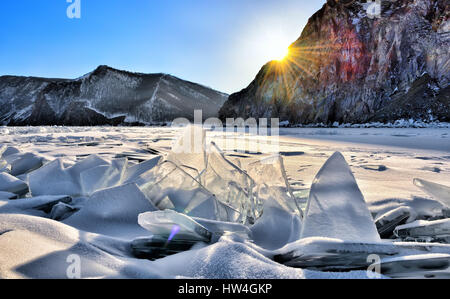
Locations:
{"points": [[218, 43]]}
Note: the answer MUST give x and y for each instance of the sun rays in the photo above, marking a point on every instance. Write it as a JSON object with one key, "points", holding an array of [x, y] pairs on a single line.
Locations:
{"points": [[304, 61]]}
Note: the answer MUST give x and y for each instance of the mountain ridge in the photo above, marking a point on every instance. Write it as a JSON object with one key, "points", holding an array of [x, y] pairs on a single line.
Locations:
{"points": [[105, 96]]}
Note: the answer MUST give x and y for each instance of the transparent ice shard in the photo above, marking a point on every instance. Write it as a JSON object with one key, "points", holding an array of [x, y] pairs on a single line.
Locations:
{"points": [[387, 222], [220, 228], [98, 178], [133, 172], [189, 150], [437, 191], [169, 183], [121, 166], [87, 163], [53, 179], [425, 230], [9, 183], [173, 225], [271, 182], [229, 184], [336, 207]]}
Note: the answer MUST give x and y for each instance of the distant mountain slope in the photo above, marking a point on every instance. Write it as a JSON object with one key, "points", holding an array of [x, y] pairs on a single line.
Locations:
{"points": [[104, 96], [348, 67]]}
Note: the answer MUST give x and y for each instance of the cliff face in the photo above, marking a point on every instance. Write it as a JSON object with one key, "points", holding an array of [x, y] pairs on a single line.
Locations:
{"points": [[104, 97], [351, 68]]}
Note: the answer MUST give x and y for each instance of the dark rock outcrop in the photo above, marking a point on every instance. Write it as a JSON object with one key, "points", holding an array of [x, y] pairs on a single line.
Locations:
{"points": [[350, 67]]}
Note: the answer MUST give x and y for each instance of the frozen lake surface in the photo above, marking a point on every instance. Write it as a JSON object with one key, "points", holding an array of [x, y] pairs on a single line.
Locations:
{"points": [[384, 161]]}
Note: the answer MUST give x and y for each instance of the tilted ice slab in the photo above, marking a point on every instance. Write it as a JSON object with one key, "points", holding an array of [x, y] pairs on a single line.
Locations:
{"points": [[387, 222], [336, 207], [173, 225], [219, 228], [9, 183], [325, 254], [24, 163], [53, 179], [416, 266], [97, 174], [437, 191], [271, 183], [423, 229], [133, 172], [277, 226]]}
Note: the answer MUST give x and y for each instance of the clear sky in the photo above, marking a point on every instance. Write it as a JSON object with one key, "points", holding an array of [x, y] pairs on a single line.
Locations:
{"points": [[218, 43]]}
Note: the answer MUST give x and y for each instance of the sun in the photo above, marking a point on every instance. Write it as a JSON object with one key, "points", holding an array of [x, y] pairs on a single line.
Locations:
{"points": [[276, 49], [282, 54]]}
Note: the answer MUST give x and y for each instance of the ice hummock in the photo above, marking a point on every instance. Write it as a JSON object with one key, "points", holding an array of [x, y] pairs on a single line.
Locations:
{"points": [[336, 207]]}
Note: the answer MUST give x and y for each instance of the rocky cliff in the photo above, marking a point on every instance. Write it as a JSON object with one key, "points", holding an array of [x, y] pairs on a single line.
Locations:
{"points": [[105, 96], [351, 66]]}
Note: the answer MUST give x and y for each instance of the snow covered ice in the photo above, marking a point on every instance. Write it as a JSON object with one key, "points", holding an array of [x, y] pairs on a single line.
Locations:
{"points": [[336, 207], [437, 191], [132, 204]]}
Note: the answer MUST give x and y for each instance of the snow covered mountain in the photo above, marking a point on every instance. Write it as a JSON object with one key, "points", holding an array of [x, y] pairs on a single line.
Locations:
{"points": [[353, 66], [104, 96]]}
